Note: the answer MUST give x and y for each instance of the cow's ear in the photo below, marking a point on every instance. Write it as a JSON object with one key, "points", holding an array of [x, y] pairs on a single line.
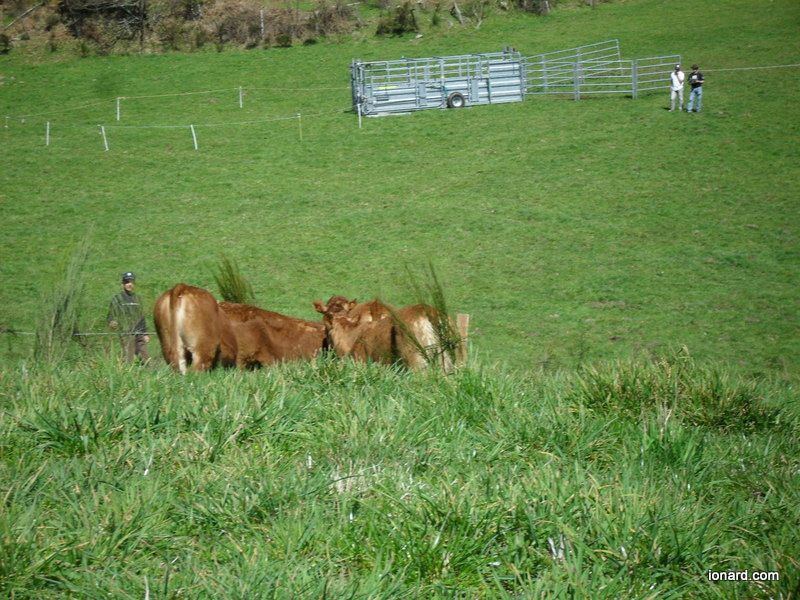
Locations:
{"points": [[320, 307]]}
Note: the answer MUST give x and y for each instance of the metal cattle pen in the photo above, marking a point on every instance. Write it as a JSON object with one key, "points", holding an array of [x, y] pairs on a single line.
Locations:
{"points": [[410, 84]]}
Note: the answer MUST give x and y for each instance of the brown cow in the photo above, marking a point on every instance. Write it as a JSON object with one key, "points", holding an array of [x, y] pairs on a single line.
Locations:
{"points": [[284, 338], [193, 331], [374, 331], [254, 344]]}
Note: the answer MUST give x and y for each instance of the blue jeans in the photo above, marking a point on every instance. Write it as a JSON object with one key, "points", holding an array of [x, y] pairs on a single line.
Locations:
{"points": [[695, 94]]}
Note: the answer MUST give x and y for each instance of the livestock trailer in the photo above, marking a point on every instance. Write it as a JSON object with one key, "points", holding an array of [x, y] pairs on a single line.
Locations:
{"points": [[409, 84]]}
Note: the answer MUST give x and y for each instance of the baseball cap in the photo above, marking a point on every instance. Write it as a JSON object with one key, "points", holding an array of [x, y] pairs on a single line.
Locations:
{"points": [[128, 276]]}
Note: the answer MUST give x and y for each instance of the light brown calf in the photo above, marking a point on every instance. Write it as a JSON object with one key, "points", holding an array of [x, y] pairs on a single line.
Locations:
{"points": [[374, 331]]}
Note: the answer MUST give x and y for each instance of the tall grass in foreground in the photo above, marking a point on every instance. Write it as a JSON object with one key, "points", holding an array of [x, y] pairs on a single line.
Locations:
{"points": [[61, 309], [450, 347], [339, 479], [233, 286]]}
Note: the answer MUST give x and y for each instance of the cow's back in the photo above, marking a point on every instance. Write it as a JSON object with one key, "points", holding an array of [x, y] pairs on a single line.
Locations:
{"points": [[289, 338]]}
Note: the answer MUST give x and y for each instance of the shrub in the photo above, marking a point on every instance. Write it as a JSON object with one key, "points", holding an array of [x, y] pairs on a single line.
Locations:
{"points": [[236, 22], [328, 19], [539, 7], [170, 32], [399, 21], [436, 17], [5, 43]]}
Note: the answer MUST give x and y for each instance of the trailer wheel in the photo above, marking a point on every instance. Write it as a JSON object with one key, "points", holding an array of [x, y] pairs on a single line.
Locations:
{"points": [[456, 100]]}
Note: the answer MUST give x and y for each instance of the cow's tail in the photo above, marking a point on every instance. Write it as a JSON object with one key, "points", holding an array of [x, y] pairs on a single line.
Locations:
{"points": [[162, 317], [178, 305]]}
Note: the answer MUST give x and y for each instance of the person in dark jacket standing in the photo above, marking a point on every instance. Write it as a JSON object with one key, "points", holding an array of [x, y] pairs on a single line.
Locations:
{"points": [[126, 315], [696, 94]]}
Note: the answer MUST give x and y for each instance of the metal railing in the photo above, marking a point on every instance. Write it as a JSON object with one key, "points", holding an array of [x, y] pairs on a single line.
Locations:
{"points": [[592, 77]]}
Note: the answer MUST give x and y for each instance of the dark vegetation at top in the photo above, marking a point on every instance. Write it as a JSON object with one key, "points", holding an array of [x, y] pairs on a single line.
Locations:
{"points": [[124, 26]]}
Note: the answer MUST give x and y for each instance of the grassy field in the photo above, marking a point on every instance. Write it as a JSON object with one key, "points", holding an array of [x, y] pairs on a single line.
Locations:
{"points": [[571, 232], [347, 481], [629, 419]]}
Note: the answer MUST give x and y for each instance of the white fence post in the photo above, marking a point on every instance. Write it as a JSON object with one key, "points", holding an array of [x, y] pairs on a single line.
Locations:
{"points": [[118, 107], [300, 125], [577, 79], [105, 139], [635, 79], [47, 134], [194, 136], [6, 122], [359, 115], [241, 99]]}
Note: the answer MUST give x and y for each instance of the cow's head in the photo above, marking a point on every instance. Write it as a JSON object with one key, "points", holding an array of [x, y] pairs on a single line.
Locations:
{"points": [[341, 328]]}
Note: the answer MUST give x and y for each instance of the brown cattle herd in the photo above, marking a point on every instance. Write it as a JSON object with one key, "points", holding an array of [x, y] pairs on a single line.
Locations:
{"points": [[198, 333]]}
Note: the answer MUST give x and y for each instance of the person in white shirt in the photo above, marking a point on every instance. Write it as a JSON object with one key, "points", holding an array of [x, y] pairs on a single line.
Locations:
{"points": [[676, 79]]}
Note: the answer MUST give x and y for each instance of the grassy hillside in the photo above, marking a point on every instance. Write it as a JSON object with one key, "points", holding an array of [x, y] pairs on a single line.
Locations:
{"points": [[335, 480], [570, 231], [584, 238]]}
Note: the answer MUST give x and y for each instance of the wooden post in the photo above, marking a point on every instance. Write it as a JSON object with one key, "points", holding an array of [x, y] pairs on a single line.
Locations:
{"points": [[47, 134], [262, 23], [462, 322], [241, 99], [359, 115], [118, 107], [300, 125]]}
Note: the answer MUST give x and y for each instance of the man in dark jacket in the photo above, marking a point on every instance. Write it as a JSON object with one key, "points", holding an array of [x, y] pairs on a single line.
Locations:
{"points": [[696, 81], [125, 314]]}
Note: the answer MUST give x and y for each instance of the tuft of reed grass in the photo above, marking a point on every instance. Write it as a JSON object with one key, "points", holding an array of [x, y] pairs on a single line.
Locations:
{"points": [[450, 348], [233, 286], [61, 309]]}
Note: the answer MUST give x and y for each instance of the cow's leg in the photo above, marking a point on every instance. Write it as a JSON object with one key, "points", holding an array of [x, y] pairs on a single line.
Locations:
{"points": [[204, 355]]}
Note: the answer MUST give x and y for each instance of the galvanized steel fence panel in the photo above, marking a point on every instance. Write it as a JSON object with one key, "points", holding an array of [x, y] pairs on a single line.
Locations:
{"points": [[603, 76]]}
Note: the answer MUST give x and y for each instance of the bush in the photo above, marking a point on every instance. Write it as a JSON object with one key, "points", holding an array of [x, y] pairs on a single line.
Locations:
{"points": [[5, 43], [399, 21], [328, 19], [539, 7], [171, 33], [237, 22]]}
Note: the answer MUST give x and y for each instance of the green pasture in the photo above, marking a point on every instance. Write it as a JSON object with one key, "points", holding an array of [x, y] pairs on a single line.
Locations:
{"points": [[570, 231], [329, 480], [628, 420]]}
